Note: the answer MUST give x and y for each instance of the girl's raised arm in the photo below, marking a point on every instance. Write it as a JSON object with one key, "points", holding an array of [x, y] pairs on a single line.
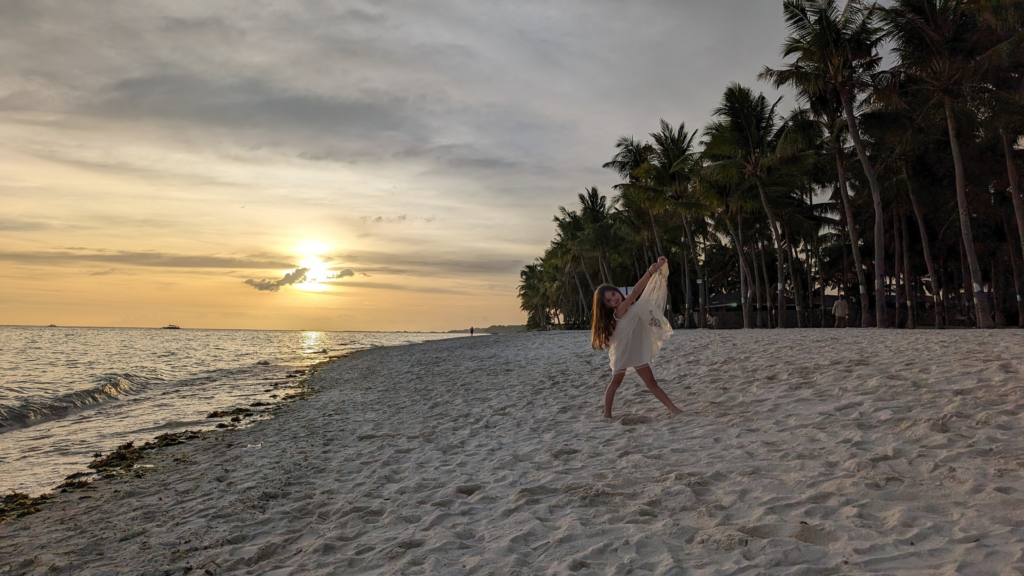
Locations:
{"points": [[639, 287]]}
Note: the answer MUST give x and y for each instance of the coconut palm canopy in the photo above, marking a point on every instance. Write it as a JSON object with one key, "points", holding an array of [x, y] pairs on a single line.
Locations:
{"points": [[898, 188]]}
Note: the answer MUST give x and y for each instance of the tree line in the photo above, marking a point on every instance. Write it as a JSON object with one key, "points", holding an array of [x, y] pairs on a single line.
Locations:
{"points": [[897, 187]]}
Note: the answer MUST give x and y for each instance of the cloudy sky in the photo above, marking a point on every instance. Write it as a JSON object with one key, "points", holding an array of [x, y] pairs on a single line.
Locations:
{"points": [[326, 165]]}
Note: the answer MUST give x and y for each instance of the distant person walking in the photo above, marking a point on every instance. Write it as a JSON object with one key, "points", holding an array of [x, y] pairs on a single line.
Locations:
{"points": [[633, 329], [841, 310], [470, 330]]}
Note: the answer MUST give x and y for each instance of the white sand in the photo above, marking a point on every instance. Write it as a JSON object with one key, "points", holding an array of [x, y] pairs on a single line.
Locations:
{"points": [[799, 452]]}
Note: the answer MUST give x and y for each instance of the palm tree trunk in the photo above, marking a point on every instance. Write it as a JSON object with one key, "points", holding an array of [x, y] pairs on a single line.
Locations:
{"points": [[897, 267], [605, 273], [926, 244], [798, 300], [747, 269], [590, 281], [980, 302], [688, 291], [1017, 288], [657, 237], [757, 288], [810, 284], [995, 290], [1015, 193], [767, 292], [746, 265], [670, 311], [865, 312], [911, 301], [701, 279], [844, 281], [774, 226], [705, 299], [737, 242], [965, 280], [793, 257], [821, 278], [944, 290], [576, 277], [1016, 275], [876, 198]]}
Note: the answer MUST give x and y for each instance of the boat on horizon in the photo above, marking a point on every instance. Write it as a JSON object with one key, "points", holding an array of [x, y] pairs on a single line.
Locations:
{"points": [[172, 327], [52, 326]]}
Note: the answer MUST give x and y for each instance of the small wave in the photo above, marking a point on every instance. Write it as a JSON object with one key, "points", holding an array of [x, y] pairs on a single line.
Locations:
{"points": [[111, 386]]}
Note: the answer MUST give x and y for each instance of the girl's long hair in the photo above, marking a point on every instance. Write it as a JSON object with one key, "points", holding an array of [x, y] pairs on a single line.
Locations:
{"points": [[602, 323]]}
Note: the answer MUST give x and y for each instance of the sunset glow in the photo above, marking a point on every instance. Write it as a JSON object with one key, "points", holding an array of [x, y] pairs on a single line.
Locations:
{"points": [[183, 167]]}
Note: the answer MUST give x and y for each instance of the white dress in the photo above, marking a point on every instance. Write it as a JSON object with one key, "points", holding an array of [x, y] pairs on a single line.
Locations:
{"points": [[642, 330]]}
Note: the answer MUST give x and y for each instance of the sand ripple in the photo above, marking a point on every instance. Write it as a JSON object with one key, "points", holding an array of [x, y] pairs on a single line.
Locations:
{"points": [[799, 452]]}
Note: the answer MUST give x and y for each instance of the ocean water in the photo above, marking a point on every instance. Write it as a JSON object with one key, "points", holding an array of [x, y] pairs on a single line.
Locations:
{"points": [[67, 393]]}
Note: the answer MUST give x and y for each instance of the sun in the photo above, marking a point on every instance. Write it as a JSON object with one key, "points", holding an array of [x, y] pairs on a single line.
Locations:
{"points": [[317, 269]]}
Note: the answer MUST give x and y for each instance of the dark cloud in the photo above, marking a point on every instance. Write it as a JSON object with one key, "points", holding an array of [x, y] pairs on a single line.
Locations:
{"points": [[294, 277], [144, 259], [483, 90], [347, 272], [253, 105]]}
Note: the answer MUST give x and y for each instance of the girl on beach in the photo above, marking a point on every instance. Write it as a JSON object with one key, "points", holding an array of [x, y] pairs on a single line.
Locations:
{"points": [[633, 329]]}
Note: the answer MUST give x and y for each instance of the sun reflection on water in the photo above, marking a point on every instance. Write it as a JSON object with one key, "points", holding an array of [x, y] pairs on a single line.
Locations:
{"points": [[314, 342]]}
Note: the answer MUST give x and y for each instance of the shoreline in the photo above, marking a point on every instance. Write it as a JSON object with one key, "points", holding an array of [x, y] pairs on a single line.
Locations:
{"points": [[465, 457], [221, 419], [455, 331], [50, 431]]}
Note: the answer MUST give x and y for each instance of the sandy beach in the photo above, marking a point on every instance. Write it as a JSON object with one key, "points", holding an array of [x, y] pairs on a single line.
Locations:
{"points": [[798, 452]]}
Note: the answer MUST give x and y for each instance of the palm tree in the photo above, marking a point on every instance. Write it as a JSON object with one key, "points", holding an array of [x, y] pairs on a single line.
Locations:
{"points": [[957, 88], [531, 295], [936, 43], [657, 180], [837, 50], [595, 212], [723, 194], [747, 138], [674, 161], [632, 163], [825, 107], [571, 251], [900, 133], [1003, 27]]}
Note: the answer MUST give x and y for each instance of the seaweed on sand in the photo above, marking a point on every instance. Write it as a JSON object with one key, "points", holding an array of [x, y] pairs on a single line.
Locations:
{"points": [[124, 458], [70, 485], [18, 505], [172, 439], [243, 412]]}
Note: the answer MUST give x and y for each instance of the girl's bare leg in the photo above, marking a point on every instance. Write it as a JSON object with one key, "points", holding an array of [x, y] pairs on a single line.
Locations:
{"points": [[609, 393], [648, 377]]}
